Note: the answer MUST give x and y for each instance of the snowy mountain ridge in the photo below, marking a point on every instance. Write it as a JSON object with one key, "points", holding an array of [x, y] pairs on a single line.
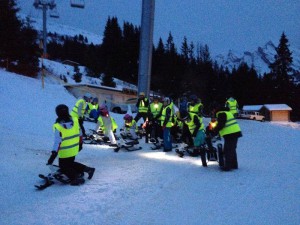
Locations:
{"points": [[261, 58]]}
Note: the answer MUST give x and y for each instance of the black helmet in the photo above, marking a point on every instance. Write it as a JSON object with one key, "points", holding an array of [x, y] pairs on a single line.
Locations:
{"points": [[193, 98], [62, 111]]}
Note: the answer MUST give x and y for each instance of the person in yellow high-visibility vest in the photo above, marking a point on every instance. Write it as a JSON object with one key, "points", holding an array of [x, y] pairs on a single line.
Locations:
{"points": [[107, 124], [230, 130], [79, 110], [67, 144], [166, 123], [196, 128], [155, 110], [142, 106], [233, 106]]}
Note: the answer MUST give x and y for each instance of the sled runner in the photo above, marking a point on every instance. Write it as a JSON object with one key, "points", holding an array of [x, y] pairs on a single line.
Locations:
{"points": [[129, 145]]}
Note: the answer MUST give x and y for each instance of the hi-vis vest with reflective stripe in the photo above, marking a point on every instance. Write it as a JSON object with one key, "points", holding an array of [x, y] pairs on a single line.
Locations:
{"points": [[91, 106], [155, 108], [129, 126], [142, 107], [113, 122], [74, 112], [192, 125], [232, 106], [231, 125], [194, 109], [163, 116], [69, 146]]}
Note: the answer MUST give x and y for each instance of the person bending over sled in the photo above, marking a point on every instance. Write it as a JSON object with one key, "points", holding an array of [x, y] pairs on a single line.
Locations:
{"points": [[67, 144], [196, 128], [129, 129], [107, 125]]}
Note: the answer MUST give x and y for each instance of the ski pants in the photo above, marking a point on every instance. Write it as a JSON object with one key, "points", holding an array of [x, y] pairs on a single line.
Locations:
{"points": [[167, 139], [71, 168], [230, 155]]}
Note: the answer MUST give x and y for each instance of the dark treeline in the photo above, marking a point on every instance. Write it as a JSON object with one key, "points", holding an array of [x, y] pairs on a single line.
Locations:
{"points": [[187, 70]]}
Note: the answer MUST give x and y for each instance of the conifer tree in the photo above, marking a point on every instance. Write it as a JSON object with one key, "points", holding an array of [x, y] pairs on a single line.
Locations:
{"points": [[283, 59]]}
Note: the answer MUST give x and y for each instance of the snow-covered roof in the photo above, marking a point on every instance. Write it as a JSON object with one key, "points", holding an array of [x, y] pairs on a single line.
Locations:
{"points": [[273, 107], [252, 107]]}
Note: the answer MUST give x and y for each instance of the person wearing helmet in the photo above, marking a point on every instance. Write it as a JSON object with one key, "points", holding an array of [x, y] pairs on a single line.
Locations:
{"points": [[233, 105], [67, 144], [195, 106], [166, 123], [196, 128], [93, 109], [79, 110], [129, 128], [229, 129], [142, 106], [107, 125], [154, 119]]}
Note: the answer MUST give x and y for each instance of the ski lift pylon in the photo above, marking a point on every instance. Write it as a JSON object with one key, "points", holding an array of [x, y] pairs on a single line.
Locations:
{"points": [[77, 3]]}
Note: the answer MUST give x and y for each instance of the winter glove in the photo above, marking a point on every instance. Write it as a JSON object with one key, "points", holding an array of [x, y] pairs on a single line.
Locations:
{"points": [[52, 158]]}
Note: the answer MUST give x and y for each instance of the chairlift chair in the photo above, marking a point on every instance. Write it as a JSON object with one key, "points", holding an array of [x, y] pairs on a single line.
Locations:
{"points": [[54, 13], [77, 3]]}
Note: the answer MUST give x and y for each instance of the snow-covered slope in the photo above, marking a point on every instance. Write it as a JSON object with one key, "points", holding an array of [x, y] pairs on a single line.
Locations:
{"points": [[142, 187]]}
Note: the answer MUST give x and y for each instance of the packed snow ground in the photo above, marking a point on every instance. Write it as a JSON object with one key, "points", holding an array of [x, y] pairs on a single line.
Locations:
{"points": [[142, 187]]}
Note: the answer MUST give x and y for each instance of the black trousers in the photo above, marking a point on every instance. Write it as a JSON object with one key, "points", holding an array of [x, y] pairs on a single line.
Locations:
{"points": [[139, 115], [71, 168], [230, 155], [80, 121]]}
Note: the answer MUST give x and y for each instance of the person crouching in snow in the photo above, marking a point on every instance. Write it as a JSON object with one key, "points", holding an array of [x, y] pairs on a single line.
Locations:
{"points": [[196, 128], [129, 128], [67, 144], [107, 124]]}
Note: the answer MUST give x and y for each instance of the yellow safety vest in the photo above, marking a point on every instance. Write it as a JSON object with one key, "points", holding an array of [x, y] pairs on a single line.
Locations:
{"points": [[113, 122], [155, 108], [195, 109], [91, 106], [232, 106], [131, 124], [231, 125], [69, 146], [142, 107], [163, 116], [192, 125], [74, 112]]}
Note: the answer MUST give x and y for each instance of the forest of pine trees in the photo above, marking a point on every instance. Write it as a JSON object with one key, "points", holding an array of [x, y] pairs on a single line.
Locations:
{"points": [[188, 69]]}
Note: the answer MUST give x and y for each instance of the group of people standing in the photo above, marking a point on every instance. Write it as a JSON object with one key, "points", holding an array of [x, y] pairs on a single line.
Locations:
{"points": [[163, 119]]}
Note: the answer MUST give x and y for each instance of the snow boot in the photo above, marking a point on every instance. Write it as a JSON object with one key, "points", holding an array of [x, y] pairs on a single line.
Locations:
{"points": [[90, 172], [77, 181], [203, 157]]}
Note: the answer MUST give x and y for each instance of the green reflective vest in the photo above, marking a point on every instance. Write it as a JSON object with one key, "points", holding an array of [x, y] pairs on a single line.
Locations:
{"points": [[232, 106], [142, 107], [231, 125], [128, 126], [155, 108], [69, 146], [74, 112], [163, 116], [114, 125], [191, 125], [91, 106], [195, 109]]}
